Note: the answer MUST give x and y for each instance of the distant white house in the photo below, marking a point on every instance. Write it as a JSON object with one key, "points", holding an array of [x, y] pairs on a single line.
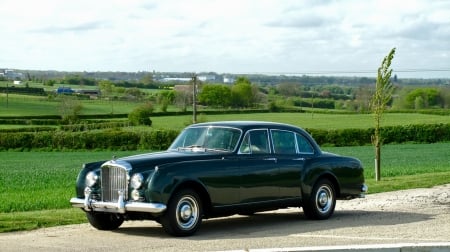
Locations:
{"points": [[207, 77], [227, 79], [175, 79], [17, 82]]}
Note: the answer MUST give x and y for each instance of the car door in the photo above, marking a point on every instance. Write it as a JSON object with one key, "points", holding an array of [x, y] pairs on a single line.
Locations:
{"points": [[290, 150], [258, 168]]}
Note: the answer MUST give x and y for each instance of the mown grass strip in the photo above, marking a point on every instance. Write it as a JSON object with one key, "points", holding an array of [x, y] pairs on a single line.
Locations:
{"points": [[21, 221]]}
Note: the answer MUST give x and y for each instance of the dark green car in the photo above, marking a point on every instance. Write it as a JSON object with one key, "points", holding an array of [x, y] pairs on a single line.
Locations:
{"points": [[218, 169]]}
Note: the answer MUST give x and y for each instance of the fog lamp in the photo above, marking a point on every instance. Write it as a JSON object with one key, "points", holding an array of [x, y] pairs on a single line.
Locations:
{"points": [[135, 195]]}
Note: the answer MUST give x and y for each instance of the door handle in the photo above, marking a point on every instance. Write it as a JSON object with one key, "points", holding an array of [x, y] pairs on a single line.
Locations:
{"points": [[271, 159]]}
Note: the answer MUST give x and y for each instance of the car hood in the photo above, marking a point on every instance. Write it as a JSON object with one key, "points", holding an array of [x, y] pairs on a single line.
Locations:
{"points": [[150, 160]]}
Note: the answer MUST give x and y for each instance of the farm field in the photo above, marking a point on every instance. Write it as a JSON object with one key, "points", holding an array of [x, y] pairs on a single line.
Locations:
{"points": [[25, 105], [306, 120], [46, 180], [36, 186]]}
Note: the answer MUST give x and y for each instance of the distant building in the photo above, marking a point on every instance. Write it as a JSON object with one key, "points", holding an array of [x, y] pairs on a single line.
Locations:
{"points": [[10, 74], [206, 78], [228, 79], [175, 79], [92, 93]]}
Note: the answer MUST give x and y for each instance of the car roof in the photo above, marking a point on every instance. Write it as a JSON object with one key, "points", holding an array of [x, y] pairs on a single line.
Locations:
{"points": [[248, 124]]}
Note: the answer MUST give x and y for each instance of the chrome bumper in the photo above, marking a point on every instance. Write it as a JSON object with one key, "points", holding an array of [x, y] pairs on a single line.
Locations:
{"points": [[364, 189], [120, 206]]}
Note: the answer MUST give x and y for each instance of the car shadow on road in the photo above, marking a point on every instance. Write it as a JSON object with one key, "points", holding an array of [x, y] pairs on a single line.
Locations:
{"points": [[280, 223]]}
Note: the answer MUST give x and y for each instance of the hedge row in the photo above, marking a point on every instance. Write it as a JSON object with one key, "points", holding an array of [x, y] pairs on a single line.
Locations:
{"points": [[419, 133], [161, 139], [88, 140]]}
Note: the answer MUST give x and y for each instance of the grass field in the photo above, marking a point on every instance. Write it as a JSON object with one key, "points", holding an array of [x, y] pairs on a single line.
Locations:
{"points": [[24, 105], [307, 120], [35, 187]]}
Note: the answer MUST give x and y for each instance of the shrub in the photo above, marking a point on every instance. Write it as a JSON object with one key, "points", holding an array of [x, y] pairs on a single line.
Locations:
{"points": [[141, 115]]}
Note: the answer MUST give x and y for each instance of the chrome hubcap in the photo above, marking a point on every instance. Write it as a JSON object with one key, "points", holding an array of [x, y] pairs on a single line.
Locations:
{"points": [[324, 199], [187, 213]]}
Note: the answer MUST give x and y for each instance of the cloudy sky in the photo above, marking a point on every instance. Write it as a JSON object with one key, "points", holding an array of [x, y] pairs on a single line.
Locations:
{"points": [[347, 37]]}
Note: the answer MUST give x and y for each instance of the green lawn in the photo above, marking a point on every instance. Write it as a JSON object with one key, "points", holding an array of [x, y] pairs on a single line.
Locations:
{"points": [[307, 120], [35, 187]]}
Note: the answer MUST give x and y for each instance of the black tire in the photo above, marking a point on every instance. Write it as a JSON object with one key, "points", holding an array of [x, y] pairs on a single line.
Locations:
{"points": [[104, 221], [322, 201], [184, 214]]}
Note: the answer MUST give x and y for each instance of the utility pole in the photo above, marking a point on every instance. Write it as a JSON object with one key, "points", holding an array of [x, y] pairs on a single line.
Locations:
{"points": [[194, 98]]}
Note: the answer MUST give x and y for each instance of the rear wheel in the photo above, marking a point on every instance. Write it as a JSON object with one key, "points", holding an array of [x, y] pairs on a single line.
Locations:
{"points": [[184, 214], [322, 201], [104, 221]]}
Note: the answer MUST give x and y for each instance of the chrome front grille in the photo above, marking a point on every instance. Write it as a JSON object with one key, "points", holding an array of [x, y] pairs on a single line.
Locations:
{"points": [[114, 180]]}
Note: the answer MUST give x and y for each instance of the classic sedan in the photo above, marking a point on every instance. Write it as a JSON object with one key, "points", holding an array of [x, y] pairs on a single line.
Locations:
{"points": [[218, 169]]}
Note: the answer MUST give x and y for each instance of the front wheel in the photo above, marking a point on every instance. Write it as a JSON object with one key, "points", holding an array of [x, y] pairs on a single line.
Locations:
{"points": [[184, 214], [104, 221], [321, 203]]}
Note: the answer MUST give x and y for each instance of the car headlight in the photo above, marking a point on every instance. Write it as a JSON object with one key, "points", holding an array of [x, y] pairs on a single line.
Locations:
{"points": [[91, 179], [136, 181]]}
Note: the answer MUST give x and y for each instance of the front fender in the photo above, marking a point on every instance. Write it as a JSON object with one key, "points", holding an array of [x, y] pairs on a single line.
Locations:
{"points": [[169, 178]]}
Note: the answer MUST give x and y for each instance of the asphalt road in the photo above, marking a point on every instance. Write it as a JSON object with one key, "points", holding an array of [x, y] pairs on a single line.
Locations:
{"points": [[412, 216]]}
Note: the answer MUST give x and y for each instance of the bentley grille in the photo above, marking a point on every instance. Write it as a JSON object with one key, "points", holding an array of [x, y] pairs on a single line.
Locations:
{"points": [[113, 180]]}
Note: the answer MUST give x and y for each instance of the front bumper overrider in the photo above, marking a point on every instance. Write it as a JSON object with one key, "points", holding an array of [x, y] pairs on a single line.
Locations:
{"points": [[120, 206]]}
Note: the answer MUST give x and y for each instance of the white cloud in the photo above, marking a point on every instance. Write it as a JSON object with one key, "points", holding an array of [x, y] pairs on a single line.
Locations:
{"points": [[285, 36]]}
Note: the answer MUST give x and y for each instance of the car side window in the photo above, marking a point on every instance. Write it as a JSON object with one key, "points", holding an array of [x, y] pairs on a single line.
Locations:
{"points": [[284, 142], [255, 142], [304, 146]]}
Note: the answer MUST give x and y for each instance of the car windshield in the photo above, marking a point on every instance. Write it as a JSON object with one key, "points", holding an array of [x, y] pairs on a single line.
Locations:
{"points": [[201, 139]]}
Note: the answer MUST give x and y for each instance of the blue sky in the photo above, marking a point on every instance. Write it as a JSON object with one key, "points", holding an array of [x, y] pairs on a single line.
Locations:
{"points": [[348, 37]]}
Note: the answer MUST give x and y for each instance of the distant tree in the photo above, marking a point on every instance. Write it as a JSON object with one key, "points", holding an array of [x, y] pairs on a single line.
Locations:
{"points": [[136, 93], [215, 95], [430, 96], [362, 98], [380, 99], [141, 115], [183, 97], [69, 109], [288, 89], [445, 97], [147, 79], [106, 87], [242, 93]]}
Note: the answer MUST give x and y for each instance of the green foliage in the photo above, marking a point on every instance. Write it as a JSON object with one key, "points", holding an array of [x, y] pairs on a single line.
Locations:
{"points": [[242, 93], [380, 99], [214, 95], [113, 138], [141, 115], [420, 98], [70, 109]]}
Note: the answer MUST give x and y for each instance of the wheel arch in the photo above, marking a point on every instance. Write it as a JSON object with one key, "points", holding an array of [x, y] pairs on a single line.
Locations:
{"points": [[326, 175], [199, 189]]}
